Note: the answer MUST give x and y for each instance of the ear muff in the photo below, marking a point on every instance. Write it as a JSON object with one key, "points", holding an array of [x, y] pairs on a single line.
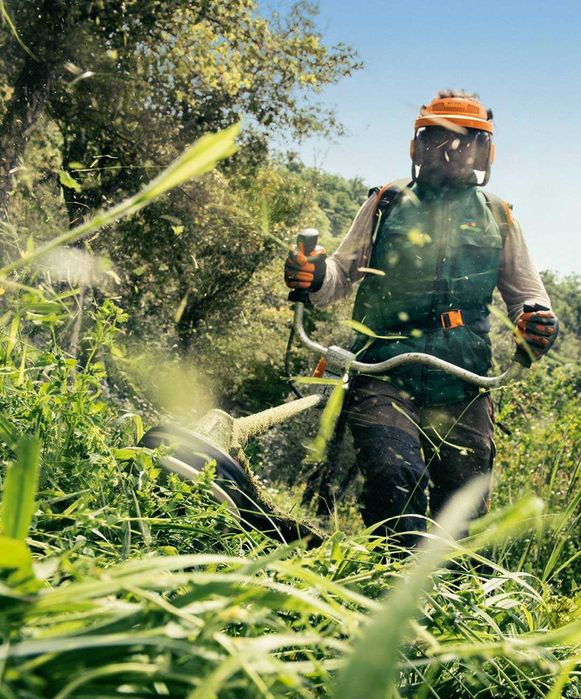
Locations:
{"points": [[412, 148], [492, 152]]}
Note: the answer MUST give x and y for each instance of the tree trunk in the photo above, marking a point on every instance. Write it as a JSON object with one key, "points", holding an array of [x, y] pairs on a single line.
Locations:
{"points": [[47, 39], [27, 103]]}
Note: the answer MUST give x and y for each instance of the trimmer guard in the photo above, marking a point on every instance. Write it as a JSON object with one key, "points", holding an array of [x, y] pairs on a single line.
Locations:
{"points": [[190, 452]]}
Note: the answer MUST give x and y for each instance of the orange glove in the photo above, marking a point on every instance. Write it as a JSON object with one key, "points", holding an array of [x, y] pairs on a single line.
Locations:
{"points": [[538, 327], [302, 272]]}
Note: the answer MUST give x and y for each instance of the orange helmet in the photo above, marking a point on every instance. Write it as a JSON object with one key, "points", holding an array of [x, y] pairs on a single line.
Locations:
{"points": [[460, 112], [453, 140]]}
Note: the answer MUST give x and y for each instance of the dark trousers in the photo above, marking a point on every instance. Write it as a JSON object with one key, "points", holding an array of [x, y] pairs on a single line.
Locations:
{"points": [[407, 453]]}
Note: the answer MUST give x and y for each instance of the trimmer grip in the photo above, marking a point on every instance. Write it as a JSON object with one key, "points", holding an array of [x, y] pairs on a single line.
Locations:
{"points": [[307, 240], [521, 356]]}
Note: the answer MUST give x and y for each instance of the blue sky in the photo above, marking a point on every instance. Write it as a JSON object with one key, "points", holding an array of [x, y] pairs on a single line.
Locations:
{"points": [[523, 58]]}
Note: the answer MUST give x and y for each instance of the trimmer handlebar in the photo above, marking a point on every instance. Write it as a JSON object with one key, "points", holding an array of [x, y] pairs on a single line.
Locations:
{"points": [[343, 359]]}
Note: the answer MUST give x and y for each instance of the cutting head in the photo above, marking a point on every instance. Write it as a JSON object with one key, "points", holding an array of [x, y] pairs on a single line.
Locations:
{"points": [[190, 452]]}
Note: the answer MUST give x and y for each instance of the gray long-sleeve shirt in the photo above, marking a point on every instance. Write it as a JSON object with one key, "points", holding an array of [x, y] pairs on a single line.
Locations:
{"points": [[519, 281]]}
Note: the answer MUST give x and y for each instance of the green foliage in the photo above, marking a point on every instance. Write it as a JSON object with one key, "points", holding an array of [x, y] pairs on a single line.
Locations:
{"points": [[194, 162], [230, 234], [129, 87], [542, 455], [66, 179], [337, 197]]}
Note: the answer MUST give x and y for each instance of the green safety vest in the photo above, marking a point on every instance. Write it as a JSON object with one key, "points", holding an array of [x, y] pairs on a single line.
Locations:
{"points": [[434, 252]]}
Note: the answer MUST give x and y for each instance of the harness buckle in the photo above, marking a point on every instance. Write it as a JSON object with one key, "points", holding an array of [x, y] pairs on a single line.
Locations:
{"points": [[451, 319]]}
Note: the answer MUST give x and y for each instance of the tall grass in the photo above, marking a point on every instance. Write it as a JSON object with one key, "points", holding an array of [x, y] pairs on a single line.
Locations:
{"points": [[278, 622]]}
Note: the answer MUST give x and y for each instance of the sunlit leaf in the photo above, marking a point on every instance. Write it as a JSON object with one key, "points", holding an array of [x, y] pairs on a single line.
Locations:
{"points": [[364, 330], [18, 501], [16, 565], [416, 237], [14, 554], [67, 180]]}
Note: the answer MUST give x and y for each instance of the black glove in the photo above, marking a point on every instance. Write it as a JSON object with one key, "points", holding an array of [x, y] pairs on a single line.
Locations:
{"points": [[302, 272], [538, 326]]}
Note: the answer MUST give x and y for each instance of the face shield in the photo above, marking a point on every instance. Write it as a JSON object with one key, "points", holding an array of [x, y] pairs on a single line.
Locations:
{"points": [[446, 158]]}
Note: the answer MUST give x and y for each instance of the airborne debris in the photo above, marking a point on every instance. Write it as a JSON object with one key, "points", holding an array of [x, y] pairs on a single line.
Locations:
{"points": [[371, 270], [416, 237]]}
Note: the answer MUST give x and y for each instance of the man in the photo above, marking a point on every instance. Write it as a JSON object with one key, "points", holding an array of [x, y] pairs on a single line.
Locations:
{"points": [[429, 254]]}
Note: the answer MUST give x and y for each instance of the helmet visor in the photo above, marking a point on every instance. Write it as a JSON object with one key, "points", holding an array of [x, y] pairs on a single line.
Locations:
{"points": [[446, 155]]}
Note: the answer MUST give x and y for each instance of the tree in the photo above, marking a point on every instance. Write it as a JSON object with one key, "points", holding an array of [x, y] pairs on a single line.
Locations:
{"points": [[338, 198], [130, 85], [135, 81]]}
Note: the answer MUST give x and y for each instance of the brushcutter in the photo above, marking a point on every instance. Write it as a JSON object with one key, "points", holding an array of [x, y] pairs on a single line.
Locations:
{"points": [[220, 438]]}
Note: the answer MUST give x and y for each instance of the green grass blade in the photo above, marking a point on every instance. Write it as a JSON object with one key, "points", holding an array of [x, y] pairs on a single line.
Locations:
{"points": [[329, 418], [14, 554], [565, 521], [8, 432], [16, 565], [194, 162], [569, 562], [500, 525], [132, 670], [564, 677], [370, 671], [6, 17], [20, 488], [364, 330]]}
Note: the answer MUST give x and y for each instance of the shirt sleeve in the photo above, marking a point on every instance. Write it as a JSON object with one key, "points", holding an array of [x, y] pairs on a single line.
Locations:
{"points": [[344, 265], [519, 281]]}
